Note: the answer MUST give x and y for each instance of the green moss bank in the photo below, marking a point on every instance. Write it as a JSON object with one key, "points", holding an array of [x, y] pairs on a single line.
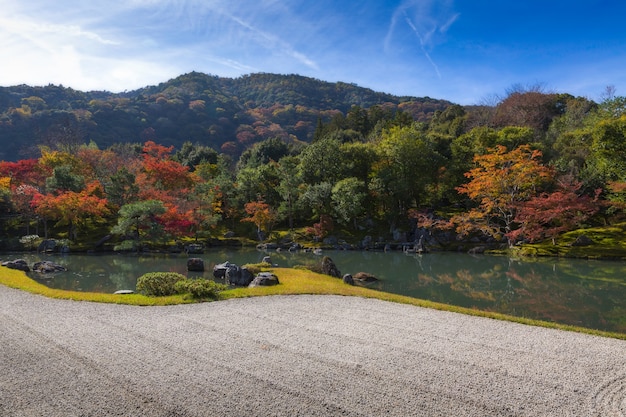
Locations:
{"points": [[607, 242]]}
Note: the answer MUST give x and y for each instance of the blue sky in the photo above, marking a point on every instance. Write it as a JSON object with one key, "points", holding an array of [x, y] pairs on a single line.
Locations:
{"points": [[464, 51]]}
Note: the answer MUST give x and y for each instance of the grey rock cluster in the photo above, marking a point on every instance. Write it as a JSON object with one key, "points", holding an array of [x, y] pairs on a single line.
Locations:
{"points": [[241, 276]]}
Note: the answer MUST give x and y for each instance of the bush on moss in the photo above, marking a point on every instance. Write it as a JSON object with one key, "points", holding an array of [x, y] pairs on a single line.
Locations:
{"points": [[258, 267], [159, 283], [200, 288]]}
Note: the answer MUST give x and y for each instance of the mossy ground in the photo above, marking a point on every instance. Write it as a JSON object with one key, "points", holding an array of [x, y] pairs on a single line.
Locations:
{"points": [[609, 242]]}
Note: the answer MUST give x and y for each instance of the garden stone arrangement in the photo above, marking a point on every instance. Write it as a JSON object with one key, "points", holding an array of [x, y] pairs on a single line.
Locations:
{"points": [[242, 277]]}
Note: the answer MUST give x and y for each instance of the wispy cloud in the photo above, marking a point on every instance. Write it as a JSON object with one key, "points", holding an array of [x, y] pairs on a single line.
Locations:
{"points": [[423, 45], [426, 19], [275, 43]]}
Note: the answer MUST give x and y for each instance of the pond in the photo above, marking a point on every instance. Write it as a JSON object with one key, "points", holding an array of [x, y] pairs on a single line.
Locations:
{"points": [[579, 292]]}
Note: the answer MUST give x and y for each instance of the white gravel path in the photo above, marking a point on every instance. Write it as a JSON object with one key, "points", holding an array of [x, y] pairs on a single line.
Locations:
{"points": [[295, 356]]}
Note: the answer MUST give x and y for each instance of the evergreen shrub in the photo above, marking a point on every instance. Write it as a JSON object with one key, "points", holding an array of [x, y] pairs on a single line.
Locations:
{"points": [[159, 283], [199, 288]]}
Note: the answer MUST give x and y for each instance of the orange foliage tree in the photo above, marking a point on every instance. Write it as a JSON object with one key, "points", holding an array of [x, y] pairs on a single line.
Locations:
{"points": [[262, 215], [498, 183], [73, 209]]}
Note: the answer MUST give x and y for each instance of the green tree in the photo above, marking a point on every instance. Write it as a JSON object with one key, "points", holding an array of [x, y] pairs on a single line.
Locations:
{"points": [[408, 166], [317, 197], [65, 179], [122, 188], [348, 196], [191, 155], [321, 162], [140, 220], [289, 186], [609, 147], [263, 152]]}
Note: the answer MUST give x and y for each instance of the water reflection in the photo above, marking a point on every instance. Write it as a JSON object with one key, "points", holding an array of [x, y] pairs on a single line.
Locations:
{"points": [[578, 292]]}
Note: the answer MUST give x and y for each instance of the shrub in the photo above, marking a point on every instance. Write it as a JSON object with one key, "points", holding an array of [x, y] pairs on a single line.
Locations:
{"points": [[258, 267], [199, 288], [159, 283]]}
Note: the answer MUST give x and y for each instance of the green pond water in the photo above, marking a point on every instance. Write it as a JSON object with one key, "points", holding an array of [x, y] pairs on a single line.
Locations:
{"points": [[583, 293]]}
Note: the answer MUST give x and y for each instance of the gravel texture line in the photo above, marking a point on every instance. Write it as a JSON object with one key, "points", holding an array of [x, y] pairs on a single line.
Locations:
{"points": [[295, 356]]}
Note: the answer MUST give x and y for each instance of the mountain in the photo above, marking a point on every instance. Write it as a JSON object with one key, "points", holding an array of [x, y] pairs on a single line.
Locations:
{"points": [[224, 113]]}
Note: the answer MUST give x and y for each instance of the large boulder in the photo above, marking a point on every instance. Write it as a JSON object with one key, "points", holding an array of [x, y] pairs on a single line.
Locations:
{"points": [[245, 278], [19, 264], [47, 245], [233, 274], [195, 265], [237, 276], [48, 267], [264, 279], [219, 270], [583, 240], [364, 277], [329, 267]]}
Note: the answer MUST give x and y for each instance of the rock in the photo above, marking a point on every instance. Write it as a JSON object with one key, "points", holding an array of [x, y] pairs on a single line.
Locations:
{"points": [[347, 279], [264, 279], [246, 277], [367, 242], [329, 267], [364, 277], [583, 240], [47, 245], [232, 275], [477, 250], [241, 277], [219, 270], [267, 246], [194, 248], [19, 264], [195, 265], [229, 235], [48, 267], [124, 292], [267, 260]]}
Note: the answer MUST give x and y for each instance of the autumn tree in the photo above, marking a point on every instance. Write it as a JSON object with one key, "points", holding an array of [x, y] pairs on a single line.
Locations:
{"points": [[262, 215], [71, 208], [161, 170], [547, 215], [499, 182]]}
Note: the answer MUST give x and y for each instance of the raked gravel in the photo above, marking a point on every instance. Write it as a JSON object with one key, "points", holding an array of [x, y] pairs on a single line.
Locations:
{"points": [[295, 356]]}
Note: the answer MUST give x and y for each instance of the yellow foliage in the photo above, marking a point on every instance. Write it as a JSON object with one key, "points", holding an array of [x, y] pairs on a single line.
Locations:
{"points": [[5, 183]]}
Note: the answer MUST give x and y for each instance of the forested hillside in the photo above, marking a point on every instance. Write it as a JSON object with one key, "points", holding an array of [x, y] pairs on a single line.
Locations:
{"points": [[198, 155], [226, 114]]}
